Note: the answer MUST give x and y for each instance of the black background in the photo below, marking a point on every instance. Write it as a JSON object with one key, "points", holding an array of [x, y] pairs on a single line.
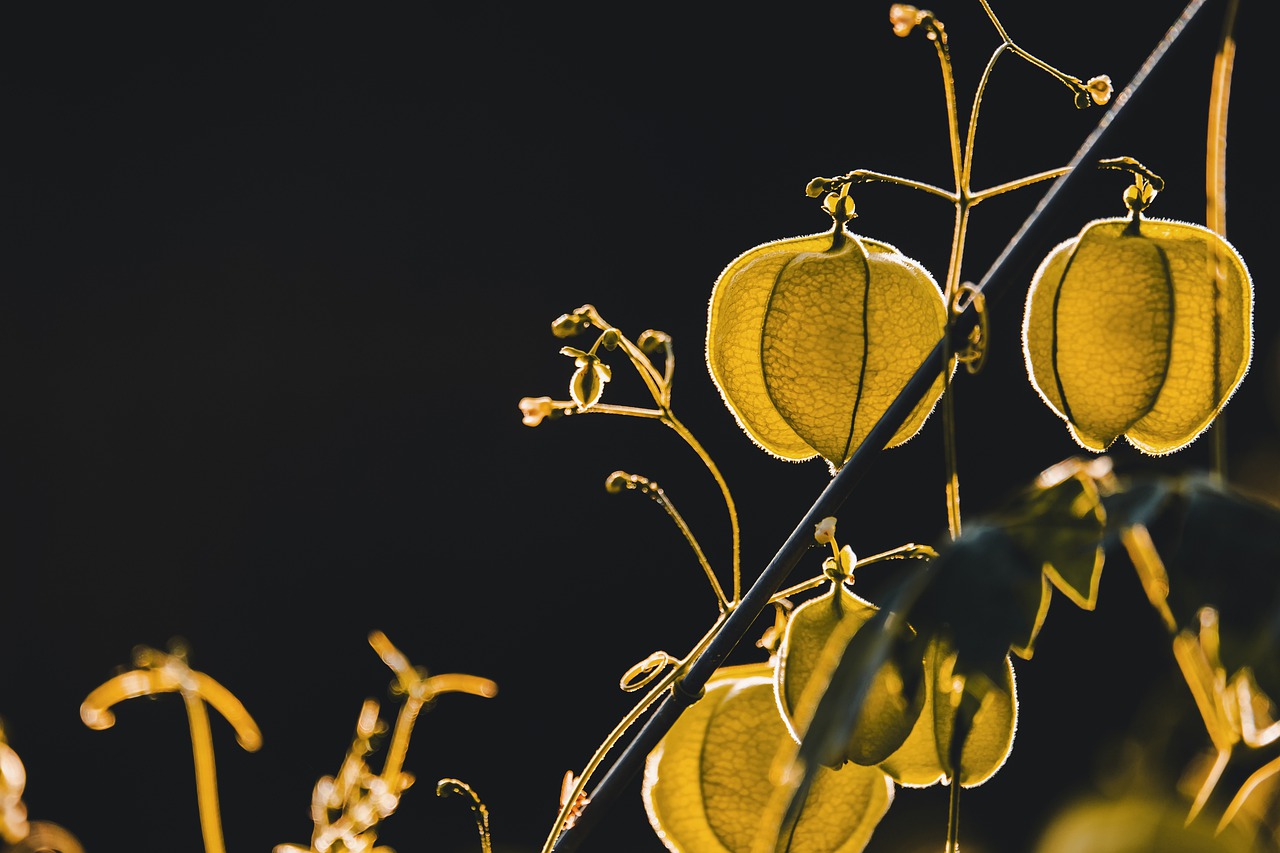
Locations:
{"points": [[277, 276]]}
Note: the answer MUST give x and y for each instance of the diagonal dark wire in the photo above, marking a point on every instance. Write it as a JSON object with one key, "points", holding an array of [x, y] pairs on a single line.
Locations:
{"points": [[689, 689]]}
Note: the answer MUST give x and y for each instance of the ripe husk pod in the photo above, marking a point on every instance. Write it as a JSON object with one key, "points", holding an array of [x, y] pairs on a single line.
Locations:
{"points": [[1139, 328], [810, 339]]}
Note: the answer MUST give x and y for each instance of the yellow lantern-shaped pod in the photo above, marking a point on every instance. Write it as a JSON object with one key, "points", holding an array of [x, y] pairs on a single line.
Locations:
{"points": [[810, 339], [1139, 327], [709, 783]]}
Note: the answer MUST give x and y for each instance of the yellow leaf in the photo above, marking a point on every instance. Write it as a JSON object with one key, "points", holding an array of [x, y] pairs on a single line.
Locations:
{"points": [[1130, 330], [809, 340], [709, 781]]}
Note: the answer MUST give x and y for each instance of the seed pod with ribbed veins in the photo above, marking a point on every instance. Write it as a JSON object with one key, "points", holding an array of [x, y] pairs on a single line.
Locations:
{"points": [[1130, 330], [810, 339], [709, 785]]}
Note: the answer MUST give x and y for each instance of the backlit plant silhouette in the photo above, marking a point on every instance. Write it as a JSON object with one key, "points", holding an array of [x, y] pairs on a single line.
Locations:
{"points": [[837, 346]]}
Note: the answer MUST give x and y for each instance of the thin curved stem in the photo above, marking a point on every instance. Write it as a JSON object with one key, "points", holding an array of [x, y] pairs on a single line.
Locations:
{"points": [[804, 586], [638, 710], [1072, 83], [655, 492], [1001, 189], [972, 132], [571, 408], [448, 786], [671, 421], [1216, 199], [909, 551], [866, 176], [659, 386], [206, 776], [960, 161], [953, 818], [939, 38]]}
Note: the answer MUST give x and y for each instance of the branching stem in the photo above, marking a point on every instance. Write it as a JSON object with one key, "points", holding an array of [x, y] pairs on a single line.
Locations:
{"points": [[659, 385]]}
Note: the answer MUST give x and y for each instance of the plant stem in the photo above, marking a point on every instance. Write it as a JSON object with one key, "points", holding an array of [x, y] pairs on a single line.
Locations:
{"points": [[959, 168], [1216, 202], [659, 386], [206, 776], [953, 818], [671, 421], [620, 729]]}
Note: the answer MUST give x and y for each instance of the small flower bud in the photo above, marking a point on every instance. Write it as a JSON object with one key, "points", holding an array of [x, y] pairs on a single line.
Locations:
{"points": [[534, 409], [904, 18], [817, 187], [1099, 89], [651, 340], [840, 207], [618, 482], [587, 384], [824, 531], [610, 338], [568, 325]]}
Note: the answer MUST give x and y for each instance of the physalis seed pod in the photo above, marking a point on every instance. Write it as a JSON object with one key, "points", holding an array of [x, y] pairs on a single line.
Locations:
{"points": [[708, 784], [816, 636], [810, 339], [922, 761], [1130, 331]]}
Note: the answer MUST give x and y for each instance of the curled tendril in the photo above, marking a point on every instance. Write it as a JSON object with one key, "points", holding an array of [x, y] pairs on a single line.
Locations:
{"points": [[974, 355], [644, 672], [448, 786]]}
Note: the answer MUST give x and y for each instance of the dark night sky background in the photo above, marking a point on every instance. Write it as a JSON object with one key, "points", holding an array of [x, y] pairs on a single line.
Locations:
{"points": [[277, 276]]}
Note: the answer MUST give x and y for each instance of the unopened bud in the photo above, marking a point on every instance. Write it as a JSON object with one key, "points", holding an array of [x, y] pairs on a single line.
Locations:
{"points": [[816, 187], [568, 325], [1099, 89], [904, 19], [651, 340], [534, 409], [618, 482]]}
